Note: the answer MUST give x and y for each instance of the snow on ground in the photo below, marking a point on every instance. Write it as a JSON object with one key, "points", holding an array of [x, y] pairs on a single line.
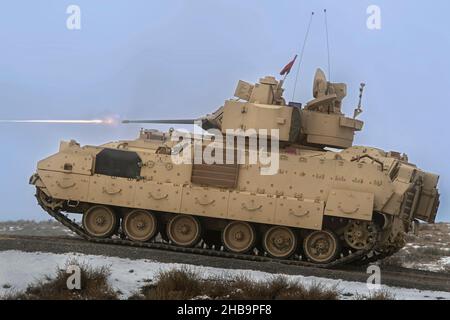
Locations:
{"points": [[436, 266], [18, 269]]}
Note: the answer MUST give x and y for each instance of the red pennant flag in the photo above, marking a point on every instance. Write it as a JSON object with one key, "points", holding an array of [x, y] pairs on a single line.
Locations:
{"points": [[288, 67]]}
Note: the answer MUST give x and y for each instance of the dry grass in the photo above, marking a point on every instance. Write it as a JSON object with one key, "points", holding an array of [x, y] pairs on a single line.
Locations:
{"points": [[184, 284], [94, 286], [377, 295]]}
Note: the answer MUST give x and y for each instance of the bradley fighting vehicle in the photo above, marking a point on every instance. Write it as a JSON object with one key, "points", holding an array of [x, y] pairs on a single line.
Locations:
{"points": [[328, 203]]}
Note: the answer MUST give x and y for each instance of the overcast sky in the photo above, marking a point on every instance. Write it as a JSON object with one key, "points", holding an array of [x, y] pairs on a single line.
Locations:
{"points": [[163, 59]]}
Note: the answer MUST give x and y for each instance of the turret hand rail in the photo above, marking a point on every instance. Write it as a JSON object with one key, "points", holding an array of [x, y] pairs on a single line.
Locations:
{"points": [[358, 158]]}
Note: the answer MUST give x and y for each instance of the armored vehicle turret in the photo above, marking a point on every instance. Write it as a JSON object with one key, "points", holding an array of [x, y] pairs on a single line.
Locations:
{"points": [[262, 106], [268, 179]]}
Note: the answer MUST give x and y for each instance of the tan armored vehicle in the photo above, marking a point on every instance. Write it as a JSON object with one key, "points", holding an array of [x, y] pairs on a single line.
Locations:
{"points": [[320, 201]]}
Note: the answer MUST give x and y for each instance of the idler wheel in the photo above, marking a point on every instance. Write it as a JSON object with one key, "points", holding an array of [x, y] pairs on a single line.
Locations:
{"points": [[184, 231], [280, 242], [321, 246], [140, 225], [360, 235], [239, 237], [100, 222]]}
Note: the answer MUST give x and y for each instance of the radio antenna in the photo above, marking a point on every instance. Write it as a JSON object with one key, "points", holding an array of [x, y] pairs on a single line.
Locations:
{"points": [[301, 54], [328, 44], [358, 109]]}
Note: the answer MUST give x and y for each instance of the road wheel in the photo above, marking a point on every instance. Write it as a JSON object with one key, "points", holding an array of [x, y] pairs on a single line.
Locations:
{"points": [[280, 242], [100, 222], [321, 246], [239, 237], [139, 225], [183, 230]]}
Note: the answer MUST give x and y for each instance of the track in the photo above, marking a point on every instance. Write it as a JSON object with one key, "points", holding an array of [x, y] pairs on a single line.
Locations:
{"points": [[399, 277], [361, 256]]}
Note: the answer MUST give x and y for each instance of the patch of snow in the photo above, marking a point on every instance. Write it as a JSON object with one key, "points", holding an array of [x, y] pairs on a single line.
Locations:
{"points": [[438, 265], [433, 267], [15, 228], [18, 269], [204, 297]]}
